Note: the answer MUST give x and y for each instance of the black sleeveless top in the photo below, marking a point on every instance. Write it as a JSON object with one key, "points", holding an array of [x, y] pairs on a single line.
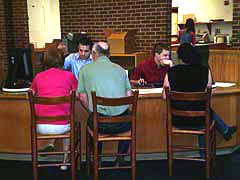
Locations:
{"points": [[188, 78]]}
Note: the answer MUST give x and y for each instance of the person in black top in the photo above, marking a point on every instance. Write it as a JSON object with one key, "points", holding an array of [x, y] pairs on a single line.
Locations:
{"points": [[191, 76]]}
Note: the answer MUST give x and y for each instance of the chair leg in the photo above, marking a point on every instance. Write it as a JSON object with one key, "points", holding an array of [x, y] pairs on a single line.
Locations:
{"points": [[214, 152], [207, 157], [34, 159], [95, 159], [73, 160], [133, 158], [88, 144], [170, 155], [35, 170], [79, 148]]}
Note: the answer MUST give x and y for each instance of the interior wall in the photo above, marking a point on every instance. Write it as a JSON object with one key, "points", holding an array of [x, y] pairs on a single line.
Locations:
{"points": [[44, 21], [14, 30], [203, 9], [150, 19]]}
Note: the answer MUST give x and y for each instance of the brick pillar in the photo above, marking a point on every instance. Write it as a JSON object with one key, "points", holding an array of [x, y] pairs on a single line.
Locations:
{"points": [[236, 24]]}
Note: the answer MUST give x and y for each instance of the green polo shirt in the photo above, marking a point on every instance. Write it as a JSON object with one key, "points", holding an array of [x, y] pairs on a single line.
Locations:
{"points": [[108, 80]]}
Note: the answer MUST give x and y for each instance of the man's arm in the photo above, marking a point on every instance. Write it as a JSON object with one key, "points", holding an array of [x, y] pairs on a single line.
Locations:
{"points": [[84, 100], [165, 84], [67, 62]]}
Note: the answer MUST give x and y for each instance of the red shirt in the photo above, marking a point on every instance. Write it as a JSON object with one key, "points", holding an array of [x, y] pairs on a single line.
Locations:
{"points": [[149, 70], [52, 83]]}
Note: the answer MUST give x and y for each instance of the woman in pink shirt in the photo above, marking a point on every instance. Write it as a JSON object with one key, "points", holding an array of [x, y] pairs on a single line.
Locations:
{"points": [[54, 82]]}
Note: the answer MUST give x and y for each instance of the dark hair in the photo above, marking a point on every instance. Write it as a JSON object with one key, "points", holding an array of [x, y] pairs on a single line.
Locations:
{"points": [[56, 42], [188, 54], [53, 57], [189, 25], [85, 41], [159, 47]]}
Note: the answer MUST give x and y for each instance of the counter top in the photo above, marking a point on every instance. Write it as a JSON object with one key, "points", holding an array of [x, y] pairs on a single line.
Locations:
{"points": [[144, 92], [211, 45]]}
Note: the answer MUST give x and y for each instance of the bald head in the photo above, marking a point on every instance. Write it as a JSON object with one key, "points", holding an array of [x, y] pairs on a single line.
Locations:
{"points": [[101, 49], [103, 45]]}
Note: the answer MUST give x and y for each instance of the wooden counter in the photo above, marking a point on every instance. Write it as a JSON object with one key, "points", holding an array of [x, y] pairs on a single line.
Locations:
{"points": [[151, 131]]}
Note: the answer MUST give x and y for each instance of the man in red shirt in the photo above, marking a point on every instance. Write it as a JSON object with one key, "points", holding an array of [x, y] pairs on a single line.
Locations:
{"points": [[153, 70]]}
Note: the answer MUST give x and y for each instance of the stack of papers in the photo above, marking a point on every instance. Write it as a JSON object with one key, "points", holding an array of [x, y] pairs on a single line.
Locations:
{"points": [[159, 90], [223, 84], [150, 90]]}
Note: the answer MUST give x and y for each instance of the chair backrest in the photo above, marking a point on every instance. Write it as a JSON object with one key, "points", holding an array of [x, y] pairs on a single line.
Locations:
{"points": [[189, 96], [36, 100], [128, 100]]}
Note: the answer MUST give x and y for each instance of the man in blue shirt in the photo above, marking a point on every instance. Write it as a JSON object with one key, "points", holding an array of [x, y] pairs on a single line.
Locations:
{"points": [[75, 61]]}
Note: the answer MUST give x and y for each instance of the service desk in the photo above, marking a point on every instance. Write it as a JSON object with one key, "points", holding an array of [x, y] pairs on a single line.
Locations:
{"points": [[151, 126]]}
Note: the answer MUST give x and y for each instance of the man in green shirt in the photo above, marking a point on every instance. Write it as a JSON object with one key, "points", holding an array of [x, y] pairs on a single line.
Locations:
{"points": [[108, 80]]}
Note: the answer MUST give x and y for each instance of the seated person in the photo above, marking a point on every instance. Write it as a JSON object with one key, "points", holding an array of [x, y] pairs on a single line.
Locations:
{"points": [[154, 69], [191, 76], [108, 80], [51, 83], [58, 43], [75, 61]]}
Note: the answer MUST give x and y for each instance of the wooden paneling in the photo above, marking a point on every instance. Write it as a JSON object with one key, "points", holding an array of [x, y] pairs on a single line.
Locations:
{"points": [[151, 124], [225, 65], [130, 61]]}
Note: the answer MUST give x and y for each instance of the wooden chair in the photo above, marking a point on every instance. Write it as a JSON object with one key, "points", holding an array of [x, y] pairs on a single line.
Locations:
{"points": [[93, 137], [74, 135], [208, 128]]}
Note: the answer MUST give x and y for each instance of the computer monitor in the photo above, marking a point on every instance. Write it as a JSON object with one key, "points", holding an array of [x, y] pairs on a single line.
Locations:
{"points": [[20, 70]]}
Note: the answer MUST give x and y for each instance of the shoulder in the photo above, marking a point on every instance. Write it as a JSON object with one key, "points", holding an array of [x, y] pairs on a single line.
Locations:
{"points": [[203, 68], [71, 56], [146, 62], [87, 68], [175, 68]]}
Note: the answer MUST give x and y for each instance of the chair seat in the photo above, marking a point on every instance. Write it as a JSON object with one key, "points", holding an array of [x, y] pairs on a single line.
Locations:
{"points": [[191, 129], [112, 137], [56, 136]]}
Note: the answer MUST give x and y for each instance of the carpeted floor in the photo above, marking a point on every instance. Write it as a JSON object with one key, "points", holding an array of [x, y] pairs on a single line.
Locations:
{"points": [[227, 168]]}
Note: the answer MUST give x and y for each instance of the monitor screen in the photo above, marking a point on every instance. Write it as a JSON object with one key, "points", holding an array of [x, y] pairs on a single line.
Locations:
{"points": [[20, 66]]}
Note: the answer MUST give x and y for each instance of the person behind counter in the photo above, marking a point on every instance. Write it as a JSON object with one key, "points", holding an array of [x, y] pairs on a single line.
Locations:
{"points": [[154, 69], [191, 76], [187, 34], [75, 61], [51, 83], [110, 80]]}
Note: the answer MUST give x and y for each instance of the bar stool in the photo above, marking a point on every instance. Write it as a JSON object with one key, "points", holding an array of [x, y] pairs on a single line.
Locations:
{"points": [[207, 128], [74, 135], [94, 137]]}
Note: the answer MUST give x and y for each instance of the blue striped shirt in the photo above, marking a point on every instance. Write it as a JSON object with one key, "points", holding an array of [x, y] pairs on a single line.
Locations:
{"points": [[74, 63]]}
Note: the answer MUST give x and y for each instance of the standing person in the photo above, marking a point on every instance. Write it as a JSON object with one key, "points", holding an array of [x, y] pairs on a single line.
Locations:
{"points": [[187, 34], [191, 76], [51, 83], [154, 69], [108, 80], [75, 61]]}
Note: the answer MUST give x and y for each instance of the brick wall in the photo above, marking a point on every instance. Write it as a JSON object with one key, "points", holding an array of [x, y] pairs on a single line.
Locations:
{"points": [[3, 48], [151, 19], [236, 24], [14, 28]]}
